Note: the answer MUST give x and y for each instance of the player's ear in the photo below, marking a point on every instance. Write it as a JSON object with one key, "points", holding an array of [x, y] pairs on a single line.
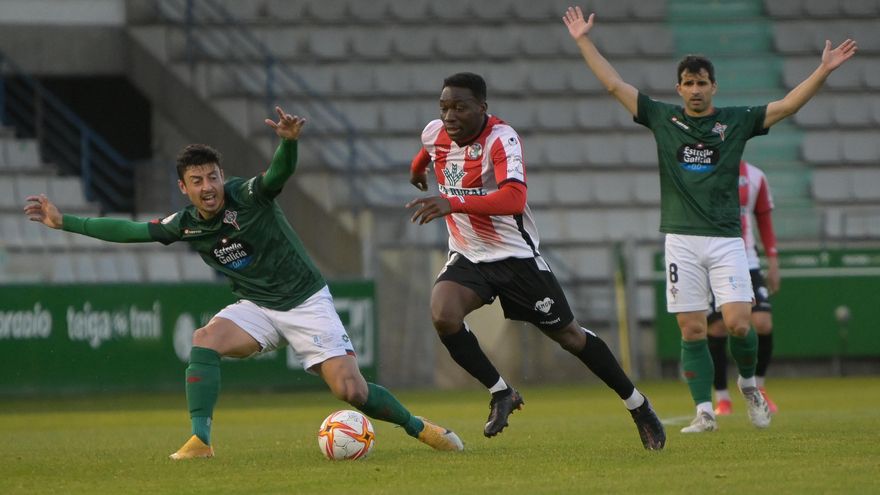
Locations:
{"points": [[181, 186]]}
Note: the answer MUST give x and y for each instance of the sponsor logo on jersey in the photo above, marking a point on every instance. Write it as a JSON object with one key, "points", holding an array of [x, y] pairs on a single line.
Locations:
{"points": [[230, 217], [544, 305], [191, 232], [674, 291], [168, 219], [697, 157], [679, 123], [474, 151], [462, 191], [514, 165], [453, 174], [719, 129], [233, 253]]}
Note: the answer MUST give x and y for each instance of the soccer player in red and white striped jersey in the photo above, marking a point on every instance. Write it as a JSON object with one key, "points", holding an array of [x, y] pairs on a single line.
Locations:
{"points": [[756, 203], [493, 252]]}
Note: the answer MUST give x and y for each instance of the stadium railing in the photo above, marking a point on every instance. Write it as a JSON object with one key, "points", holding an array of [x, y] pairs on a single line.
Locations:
{"points": [[65, 139]]}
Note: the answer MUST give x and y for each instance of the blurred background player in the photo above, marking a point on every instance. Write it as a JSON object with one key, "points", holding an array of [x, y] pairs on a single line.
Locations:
{"points": [[493, 252], [699, 148], [240, 231], [756, 202]]}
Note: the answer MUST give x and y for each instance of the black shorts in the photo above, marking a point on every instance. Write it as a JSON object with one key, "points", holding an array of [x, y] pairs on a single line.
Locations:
{"points": [[526, 287], [762, 297]]}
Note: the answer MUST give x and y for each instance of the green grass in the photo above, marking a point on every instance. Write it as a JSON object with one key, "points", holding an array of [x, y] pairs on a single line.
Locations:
{"points": [[565, 440]]}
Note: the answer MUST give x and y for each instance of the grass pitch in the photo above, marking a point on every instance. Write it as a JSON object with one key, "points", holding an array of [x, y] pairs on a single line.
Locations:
{"points": [[566, 440]]}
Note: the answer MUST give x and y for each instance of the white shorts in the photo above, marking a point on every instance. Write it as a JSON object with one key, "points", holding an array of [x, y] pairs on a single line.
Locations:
{"points": [[313, 329], [698, 266]]}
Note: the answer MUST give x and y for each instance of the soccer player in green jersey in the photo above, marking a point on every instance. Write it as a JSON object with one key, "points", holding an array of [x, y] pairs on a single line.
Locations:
{"points": [[240, 231], [699, 147]]}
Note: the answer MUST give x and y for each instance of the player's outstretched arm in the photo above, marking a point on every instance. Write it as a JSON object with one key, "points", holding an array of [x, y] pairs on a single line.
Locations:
{"points": [[41, 209], [801, 94], [283, 164], [579, 28]]}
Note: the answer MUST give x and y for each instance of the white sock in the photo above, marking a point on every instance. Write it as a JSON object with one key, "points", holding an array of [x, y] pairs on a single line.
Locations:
{"points": [[706, 407], [760, 381], [498, 387], [635, 400], [746, 382], [722, 395]]}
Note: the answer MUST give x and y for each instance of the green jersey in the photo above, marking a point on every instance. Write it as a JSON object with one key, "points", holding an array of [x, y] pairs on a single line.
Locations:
{"points": [[250, 242], [699, 165]]}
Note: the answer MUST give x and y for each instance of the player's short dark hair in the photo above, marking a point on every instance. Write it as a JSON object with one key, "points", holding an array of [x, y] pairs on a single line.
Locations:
{"points": [[693, 64], [196, 154], [468, 80]]}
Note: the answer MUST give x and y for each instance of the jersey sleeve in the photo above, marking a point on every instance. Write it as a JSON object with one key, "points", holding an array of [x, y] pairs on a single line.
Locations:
{"points": [[420, 162], [507, 158], [251, 192], [755, 120], [648, 110], [166, 230]]}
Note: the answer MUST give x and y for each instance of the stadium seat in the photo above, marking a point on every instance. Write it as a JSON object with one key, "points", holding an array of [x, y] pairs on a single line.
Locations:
{"points": [[612, 188], [831, 185], [63, 270], [574, 188], [452, 10], [500, 44], [822, 147], [415, 43], [556, 114], [328, 44], [822, 8], [21, 154], [640, 149], [861, 147], [853, 111], [9, 198], [374, 11], [539, 40], [411, 10], [456, 42], [646, 188], [67, 193], [495, 11], [783, 9], [866, 184], [372, 44], [161, 267], [285, 10], [604, 149], [328, 12]]}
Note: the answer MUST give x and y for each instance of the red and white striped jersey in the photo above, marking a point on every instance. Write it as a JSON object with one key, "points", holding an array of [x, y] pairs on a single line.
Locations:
{"points": [[754, 198], [479, 169]]}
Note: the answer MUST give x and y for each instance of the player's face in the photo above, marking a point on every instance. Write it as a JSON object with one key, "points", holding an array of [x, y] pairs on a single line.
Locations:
{"points": [[462, 114], [696, 90], [203, 185]]}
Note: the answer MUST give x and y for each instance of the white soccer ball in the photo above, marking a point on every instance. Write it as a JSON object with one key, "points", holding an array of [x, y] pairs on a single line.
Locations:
{"points": [[346, 435]]}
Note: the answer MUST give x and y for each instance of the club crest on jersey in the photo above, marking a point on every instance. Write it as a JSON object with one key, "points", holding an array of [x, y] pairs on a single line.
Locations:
{"points": [[719, 129], [474, 151], [230, 217], [453, 174]]}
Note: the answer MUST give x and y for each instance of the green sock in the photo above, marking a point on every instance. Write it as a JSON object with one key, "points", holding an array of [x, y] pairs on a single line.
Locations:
{"points": [[202, 389], [696, 362], [745, 352], [382, 405]]}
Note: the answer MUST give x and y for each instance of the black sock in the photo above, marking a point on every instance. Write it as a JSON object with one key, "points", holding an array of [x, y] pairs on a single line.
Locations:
{"points": [[765, 351], [465, 350], [599, 359], [718, 350]]}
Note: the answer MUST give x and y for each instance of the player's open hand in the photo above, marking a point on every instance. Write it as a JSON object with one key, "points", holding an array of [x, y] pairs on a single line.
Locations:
{"points": [[40, 209], [429, 208], [574, 21], [832, 59], [288, 126]]}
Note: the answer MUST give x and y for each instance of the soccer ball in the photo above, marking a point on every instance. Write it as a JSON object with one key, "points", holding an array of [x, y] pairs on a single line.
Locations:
{"points": [[346, 435]]}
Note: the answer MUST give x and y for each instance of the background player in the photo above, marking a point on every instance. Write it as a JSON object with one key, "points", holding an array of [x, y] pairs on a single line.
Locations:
{"points": [[239, 230], [756, 201], [699, 150], [493, 252]]}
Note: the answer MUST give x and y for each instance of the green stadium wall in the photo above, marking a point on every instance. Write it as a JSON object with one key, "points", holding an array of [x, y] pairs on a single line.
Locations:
{"points": [[816, 285], [119, 338]]}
